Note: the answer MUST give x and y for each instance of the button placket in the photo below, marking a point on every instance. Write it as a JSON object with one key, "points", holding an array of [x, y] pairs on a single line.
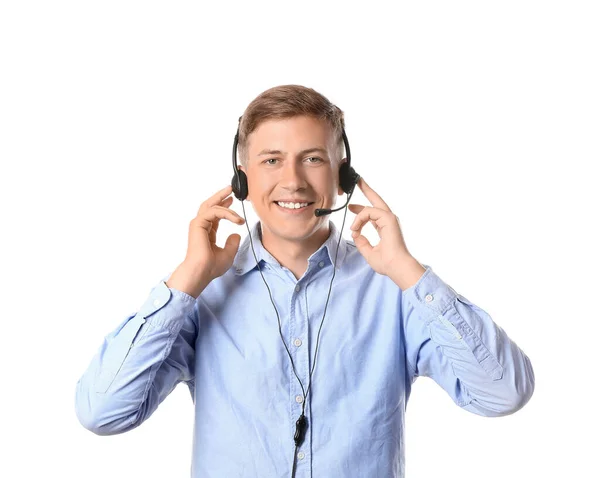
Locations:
{"points": [[299, 333], [298, 357]]}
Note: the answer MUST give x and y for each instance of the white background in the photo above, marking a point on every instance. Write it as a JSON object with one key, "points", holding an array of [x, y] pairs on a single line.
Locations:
{"points": [[478, 122]]}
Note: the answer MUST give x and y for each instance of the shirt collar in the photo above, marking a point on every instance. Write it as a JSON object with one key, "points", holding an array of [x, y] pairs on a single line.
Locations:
{"points": [[244, 260]]}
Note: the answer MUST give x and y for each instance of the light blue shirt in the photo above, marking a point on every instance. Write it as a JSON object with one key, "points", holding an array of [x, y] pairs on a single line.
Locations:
{"points": [[226, 347]]}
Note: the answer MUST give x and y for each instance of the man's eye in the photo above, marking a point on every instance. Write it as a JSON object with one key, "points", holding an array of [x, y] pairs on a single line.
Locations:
{"points": [[311, 157]]}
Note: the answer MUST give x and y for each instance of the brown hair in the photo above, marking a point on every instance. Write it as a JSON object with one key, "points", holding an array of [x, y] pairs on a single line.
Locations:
{"points": [[286, 101]]}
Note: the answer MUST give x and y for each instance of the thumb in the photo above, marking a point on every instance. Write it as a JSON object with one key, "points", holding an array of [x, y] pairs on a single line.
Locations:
{"points": [[363, 245], [232, 244]]}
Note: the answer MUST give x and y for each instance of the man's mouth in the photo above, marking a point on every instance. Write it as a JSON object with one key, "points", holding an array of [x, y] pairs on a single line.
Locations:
{"points": [[293, 208]]}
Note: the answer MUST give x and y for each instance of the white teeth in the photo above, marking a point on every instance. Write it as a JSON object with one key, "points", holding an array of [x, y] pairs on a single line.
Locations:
{"points": [[291, 205]]}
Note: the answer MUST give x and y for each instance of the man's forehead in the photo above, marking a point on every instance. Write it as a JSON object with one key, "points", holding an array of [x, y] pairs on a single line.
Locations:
{"points": [[269, 140]]}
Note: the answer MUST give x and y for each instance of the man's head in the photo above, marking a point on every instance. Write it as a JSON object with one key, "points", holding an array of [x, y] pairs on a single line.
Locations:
{"points": [[278, 131]]}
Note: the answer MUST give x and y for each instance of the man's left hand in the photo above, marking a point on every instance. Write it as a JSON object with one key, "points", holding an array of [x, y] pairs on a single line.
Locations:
{"points": [[391, 251]]}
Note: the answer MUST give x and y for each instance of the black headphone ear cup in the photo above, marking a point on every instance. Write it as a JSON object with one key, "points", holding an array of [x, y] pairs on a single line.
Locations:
{"points": [[240, 189], [348, 177]]}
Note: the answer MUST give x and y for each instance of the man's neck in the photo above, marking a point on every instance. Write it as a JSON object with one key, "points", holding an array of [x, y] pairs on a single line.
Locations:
{"points": [[293, 255]]}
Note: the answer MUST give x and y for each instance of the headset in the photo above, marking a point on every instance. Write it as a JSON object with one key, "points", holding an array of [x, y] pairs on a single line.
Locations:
{"points": [[348, 178]]}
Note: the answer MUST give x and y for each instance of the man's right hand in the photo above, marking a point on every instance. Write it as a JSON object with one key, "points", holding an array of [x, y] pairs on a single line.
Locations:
{"points": [[204, 260]]}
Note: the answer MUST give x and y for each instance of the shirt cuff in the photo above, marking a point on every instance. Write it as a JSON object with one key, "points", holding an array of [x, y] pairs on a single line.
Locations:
{"points": [[154, 310], [431, 295]]}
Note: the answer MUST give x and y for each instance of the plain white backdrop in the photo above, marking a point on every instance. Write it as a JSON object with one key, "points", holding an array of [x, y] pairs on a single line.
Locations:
{"points": [[477, 122]]}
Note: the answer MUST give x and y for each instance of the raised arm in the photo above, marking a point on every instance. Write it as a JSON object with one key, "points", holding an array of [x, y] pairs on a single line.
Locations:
{"points": [[149, 353], [457, 344], [139, 363]]}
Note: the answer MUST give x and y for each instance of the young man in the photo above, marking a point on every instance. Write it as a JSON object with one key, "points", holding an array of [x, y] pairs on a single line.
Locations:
{"points": [[252, 366]]}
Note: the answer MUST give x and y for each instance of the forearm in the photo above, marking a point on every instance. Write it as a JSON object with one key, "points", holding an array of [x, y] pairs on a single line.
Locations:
{"points": [[455, 342], [113, 395]]}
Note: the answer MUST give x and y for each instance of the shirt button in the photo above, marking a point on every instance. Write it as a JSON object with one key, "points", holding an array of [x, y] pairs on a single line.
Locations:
{"points": [[299, 398], [297, 342], [428, 297], [156, 302], [321, 264], [297, 288], [301, 455]]}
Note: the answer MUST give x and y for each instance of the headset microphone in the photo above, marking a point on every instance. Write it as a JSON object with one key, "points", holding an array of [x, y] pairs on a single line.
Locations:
{"points": [[323, 212]]}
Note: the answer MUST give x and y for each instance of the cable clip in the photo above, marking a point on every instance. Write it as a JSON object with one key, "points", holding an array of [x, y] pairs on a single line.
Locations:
{"points": [[300, 430]]}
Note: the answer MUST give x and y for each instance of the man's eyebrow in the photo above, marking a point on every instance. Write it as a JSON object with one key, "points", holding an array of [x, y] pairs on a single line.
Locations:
{"points": [[304, 151]]}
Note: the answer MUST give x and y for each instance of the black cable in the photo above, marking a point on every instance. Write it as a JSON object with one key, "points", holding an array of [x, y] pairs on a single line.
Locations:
{"points": [[302, 423], [294, 462]]}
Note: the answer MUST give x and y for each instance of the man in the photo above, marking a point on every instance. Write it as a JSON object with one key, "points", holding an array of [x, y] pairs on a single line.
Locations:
{"points": [[252, 367]]}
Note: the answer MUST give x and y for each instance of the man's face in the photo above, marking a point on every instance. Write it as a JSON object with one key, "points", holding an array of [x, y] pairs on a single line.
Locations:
{"points": [[280, 168]]}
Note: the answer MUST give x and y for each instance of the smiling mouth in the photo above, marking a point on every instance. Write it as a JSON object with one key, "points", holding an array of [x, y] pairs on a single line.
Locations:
{"points": [[295, 209]]}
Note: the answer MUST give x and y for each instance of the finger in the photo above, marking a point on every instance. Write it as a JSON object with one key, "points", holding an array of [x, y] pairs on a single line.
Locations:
{"points": [[363, 245], [374, 215], [361, 242], [228, 201], [216, 213], [214, 227], [216, 198], [356, 208], [374, 198], [215, 224], [232, 245], [229, 214]]}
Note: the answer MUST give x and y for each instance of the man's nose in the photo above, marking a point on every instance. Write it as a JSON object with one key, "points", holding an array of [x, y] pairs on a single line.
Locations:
{"points": [[293, 175]]}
